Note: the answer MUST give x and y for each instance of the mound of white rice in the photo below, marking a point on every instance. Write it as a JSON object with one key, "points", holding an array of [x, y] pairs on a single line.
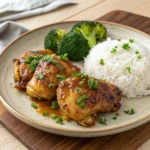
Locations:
{"points": [[128, 68]]}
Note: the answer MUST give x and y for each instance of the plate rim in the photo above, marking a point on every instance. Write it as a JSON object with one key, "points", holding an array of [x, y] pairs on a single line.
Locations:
{"points": [[10, 109]]}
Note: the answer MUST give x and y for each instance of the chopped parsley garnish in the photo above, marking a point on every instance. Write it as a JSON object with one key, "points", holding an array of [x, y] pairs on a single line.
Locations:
{"points": [[34, 105], [131, 40], [113, 50], [102, 120], [32, 66], [129, 69], [59, 120], [126, 46], [115, 117], [53, 116], [136, 52], [39, 77], [48, 59], [117, 114], [126, 111], [116, 46], [54, 105], [101, 61], [59, 67], [130, 112], [29, 59], [139, 56], [50, 85], [64, 57], [82, 75], [92, 83], [119, 39], [61, 77], [32, 62], [45, 113], [82, 82], [80, 101], [78, 90]]}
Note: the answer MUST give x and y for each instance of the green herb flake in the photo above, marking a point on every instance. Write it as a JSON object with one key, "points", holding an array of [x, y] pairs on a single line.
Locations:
{"points": [[80, 101], [78, 90], [129, 69], [102, 120], [82, 75], [60, 77], [137, 52], [39, 77], [131, 112], [114, 118], [113, 51], [82, 82], [131, 40], [92, 83], [126, 111], [34, 105], [59, 120], [54, 105], [60, 67], [139, 56], [119, 39], [101, 61], [53, 116], [45, 113], [116, 46], [32, 62], [126, 46], [50, 85], [117, 114], [48, 59], [32, 66], [29, 59], [64, 57]]}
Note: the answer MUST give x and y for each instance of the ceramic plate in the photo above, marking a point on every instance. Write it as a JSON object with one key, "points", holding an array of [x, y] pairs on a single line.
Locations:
{"points": [[20, 106]]}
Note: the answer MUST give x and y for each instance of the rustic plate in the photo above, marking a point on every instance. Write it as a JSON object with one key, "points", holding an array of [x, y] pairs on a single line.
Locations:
{"points": [[19, 105]]}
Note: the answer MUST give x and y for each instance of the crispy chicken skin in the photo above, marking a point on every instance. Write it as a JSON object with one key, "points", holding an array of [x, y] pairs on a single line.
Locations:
{"points": [[103, 99], [22, 73], [39, 88]]}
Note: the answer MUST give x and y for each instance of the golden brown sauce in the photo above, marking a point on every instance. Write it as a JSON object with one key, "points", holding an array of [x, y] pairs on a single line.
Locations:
{"points": [[45, 106]]}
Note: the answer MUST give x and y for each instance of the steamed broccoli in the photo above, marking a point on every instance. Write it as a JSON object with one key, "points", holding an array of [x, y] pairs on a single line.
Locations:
{"points": [[75, 45], [53, 38], [92, 31]]}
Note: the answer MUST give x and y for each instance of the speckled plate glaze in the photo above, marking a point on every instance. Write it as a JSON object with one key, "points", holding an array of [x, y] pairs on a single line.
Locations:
{"points": [[20, 106]]}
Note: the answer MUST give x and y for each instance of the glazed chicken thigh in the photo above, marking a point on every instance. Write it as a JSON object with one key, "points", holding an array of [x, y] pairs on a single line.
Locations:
{"points": [[49, 72], [22, 71], [82, 98]]}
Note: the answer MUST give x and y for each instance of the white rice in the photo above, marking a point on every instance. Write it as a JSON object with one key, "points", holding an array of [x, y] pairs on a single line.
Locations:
{"points": [[135, 83]]}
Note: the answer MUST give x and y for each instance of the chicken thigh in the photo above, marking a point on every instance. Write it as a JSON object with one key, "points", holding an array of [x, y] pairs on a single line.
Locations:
{"points": [[49, 72], [81, 98], [22, 70]]}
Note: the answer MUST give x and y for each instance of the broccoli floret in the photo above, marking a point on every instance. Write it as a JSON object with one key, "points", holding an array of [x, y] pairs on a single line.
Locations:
{"points": [[92, 31], [53, 38], [75, 45]]}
